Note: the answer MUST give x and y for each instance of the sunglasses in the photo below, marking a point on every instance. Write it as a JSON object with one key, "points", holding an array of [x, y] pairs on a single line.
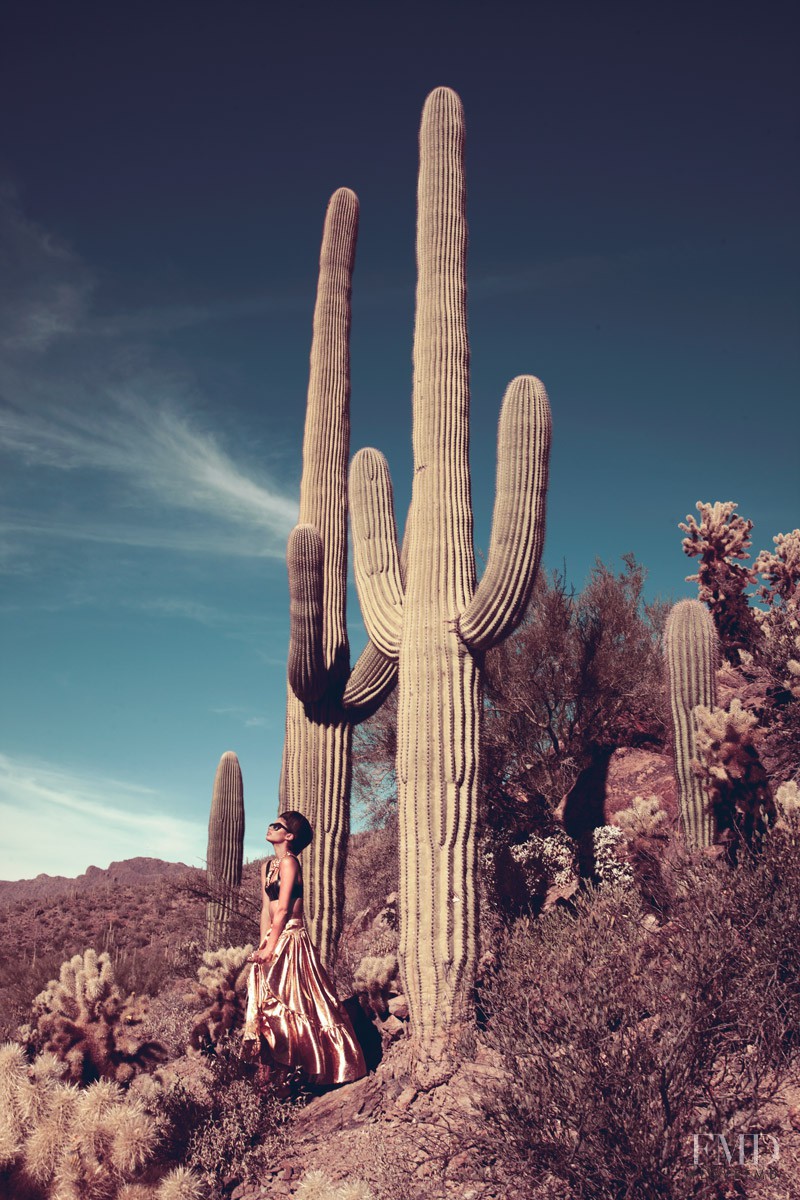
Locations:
{"points": [[277, 825]]}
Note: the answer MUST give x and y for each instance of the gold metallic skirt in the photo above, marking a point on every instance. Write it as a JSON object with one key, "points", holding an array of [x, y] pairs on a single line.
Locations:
{"points": [[293, 1013]]}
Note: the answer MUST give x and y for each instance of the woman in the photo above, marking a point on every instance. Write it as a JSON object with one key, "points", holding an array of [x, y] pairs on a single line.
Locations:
{"points": [[293, 1017]]}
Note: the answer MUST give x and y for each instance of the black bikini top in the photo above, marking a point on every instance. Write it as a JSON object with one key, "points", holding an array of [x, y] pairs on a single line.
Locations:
{"points": [[273, 888]]}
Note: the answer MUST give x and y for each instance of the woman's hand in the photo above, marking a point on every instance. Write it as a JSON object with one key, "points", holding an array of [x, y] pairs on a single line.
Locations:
{"points": [[261, 956]]}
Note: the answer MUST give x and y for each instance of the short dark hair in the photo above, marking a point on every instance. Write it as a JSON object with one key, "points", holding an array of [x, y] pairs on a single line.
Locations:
{"points": [[299, 827]]}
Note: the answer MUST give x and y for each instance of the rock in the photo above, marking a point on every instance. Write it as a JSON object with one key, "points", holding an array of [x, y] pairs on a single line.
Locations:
{"points": [[644, 773], [406, 1098], [398, 1007], [344, 1108], [392, 1028]]}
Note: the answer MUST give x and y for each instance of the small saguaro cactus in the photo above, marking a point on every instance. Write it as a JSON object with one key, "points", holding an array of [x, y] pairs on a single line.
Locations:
{"points": [[691, 654], [325, 699], [427, 611], [225, 848]]}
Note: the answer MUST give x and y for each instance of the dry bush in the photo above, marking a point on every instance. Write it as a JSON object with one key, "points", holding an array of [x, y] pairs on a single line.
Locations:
{"points": [[580, 674], [370, 915], [230, 1128], [621, 1038]]}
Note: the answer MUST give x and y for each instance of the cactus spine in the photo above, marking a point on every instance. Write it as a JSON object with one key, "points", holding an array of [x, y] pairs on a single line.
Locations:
{"points": [[691, 653], [427, 612], [325, 699], [225, 847]]}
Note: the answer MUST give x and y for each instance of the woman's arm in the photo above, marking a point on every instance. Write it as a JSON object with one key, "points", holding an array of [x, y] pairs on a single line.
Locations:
{"points": [[264, 922], [287, 873]]}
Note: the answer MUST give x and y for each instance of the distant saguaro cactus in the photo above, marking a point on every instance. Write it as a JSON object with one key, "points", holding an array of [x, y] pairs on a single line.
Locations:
{"points": [[427, 612], [325, 699], [225, 848], [691, 653]]}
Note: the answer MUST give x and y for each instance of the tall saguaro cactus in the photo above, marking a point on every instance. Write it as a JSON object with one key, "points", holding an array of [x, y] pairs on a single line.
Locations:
{"points": [[325, 699], [429, 613], [225, 847], [691, 654]]}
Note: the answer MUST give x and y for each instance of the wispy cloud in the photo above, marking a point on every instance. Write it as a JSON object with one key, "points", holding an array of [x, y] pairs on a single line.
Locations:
{"points": [[243, 716], [138, 463], [161, 455], [58, 821], [46, 288]]}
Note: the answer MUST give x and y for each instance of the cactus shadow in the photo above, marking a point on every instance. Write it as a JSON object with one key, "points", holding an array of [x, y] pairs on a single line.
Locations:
{"points": [[367, 1035]]}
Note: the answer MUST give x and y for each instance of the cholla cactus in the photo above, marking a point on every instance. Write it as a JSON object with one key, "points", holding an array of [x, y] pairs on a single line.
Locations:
{"points": [[65, 1142], [718, 540], [222, 986], [730, 768], [781, 570], [549, 862], [787, 807], [316, 1185], [225, 848], [644, 818], [84, 1020], [690, 656], [374, 982], [780, 624], [610, 865], [325, 699], [180, 1184], [426, 611]]}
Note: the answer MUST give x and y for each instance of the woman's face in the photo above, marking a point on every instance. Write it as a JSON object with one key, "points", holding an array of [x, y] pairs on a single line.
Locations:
{"points": [[276, 832]]}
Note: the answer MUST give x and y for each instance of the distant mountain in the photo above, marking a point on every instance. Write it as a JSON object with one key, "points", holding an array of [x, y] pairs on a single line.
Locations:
{"points": [[49, 887]]}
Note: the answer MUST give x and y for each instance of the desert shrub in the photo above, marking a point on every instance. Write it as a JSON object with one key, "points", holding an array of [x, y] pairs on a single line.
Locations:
{"points": [[170, 1020], [620, 1038], [143, 969], [580, 674], [22, 977], [227, 1129]]}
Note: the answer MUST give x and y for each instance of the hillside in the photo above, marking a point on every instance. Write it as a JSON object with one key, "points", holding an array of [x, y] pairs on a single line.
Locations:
{"points": [[148, 914], [48, 887]]}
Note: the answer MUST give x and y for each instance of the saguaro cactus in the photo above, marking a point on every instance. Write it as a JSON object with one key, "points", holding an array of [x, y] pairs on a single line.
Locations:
{"points": [[225, 847], [691, 654], [430, 615], [325, 699]]}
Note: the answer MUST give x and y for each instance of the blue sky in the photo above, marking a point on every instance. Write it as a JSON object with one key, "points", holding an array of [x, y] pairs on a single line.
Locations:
{"points": [[164, 171]]}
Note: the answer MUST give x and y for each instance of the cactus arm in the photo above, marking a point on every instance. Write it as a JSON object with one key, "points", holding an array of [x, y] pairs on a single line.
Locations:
{"points": [[326, 441], [306, 663], [371, 680], [376, 561], [523, 453]]}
